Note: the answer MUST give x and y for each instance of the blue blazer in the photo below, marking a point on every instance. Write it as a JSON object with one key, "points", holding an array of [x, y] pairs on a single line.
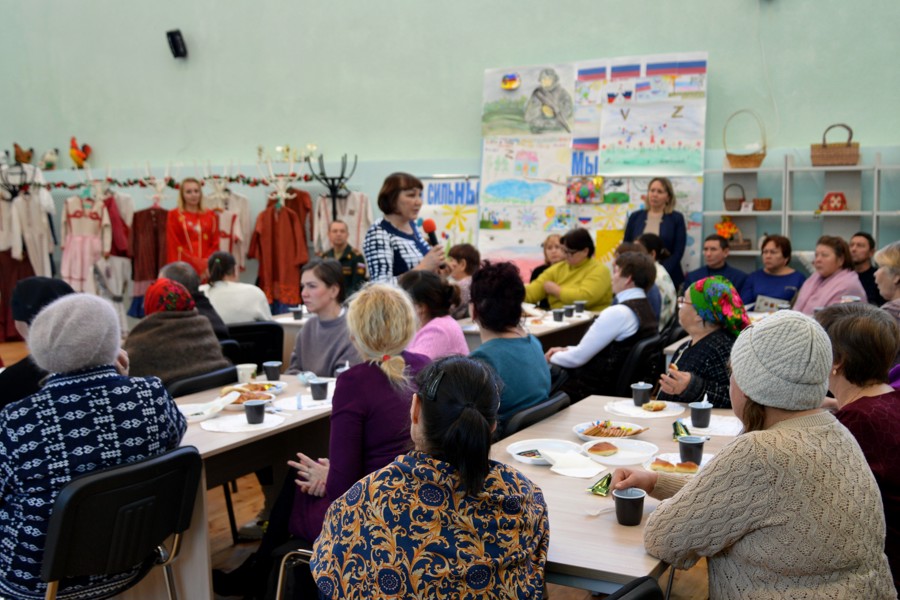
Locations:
{"points": [[673, 232]]}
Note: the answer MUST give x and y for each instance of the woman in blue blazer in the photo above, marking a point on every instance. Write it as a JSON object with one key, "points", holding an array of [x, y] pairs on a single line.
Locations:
{"points": [[660, 217]]}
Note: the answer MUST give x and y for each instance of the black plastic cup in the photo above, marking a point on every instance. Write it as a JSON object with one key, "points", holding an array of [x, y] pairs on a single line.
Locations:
{"points": [[255, 411], [700, 414], [558, 314], [640, 393], [318, 389], [579, 306], [690, 448], [272, 369], [629, 506], [569, 310]]}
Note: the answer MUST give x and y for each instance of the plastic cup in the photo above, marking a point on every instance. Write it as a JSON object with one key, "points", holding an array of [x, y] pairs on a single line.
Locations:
{"points": [[569, 309], [629, 506], [318, 389], [700, 414], [558, 314], [690, 448], [245, 372], [255, 411], [272, 369], [580, 305], [341, 369], [297, 312], [640, 393]]}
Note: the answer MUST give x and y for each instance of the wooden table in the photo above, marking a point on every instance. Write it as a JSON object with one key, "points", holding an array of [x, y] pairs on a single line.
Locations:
{"points": [[550, 333], [594, 553], [227, 456]]}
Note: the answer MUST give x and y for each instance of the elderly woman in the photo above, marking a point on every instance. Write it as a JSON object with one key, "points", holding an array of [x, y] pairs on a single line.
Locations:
{"points": [[444, 516], [789, 509], [369, 428], [515, 354], [439, 334], [834, 277], [712, 313], [887, 278], [865, 340], [776, 279], [173, 341], [324, 343], [109, 419]]}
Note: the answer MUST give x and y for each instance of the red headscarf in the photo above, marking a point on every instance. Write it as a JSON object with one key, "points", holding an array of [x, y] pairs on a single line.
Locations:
{"points": [[168, 295]]}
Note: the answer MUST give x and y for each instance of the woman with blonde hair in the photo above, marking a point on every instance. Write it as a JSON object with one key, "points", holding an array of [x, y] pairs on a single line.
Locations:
{"points": [[661, 218], [887, 278], [369, 428], [192, 231]]}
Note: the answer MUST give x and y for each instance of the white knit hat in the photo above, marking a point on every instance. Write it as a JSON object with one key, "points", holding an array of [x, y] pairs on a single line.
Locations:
{"points": [[783, 361], [75, 332]]}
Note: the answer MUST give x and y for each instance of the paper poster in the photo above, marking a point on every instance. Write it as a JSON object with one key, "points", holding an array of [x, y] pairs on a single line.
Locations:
{"points": [[453, 205], [525, 170], [528, 100]]}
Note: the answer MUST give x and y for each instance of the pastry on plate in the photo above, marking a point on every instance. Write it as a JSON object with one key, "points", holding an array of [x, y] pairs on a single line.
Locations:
{"points": [[687, 467], [603, 449], [662, 466], [654, 406]]}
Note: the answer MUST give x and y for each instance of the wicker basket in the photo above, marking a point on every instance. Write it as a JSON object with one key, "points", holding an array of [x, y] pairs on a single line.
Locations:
{"points": [[738, 242], [733, 204], [745, 161], [835, 153], [762, 204]]}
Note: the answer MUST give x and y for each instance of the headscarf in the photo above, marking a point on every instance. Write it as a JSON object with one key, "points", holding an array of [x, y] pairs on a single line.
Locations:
{"points": [[167, 295], [34, 293], [716, 301]]}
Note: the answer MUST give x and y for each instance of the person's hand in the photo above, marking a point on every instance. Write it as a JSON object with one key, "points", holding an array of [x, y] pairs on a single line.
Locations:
{"points": [[552, 288], [432, 261], [553, 351], [627, 478], [311, 474], [122, 362], [674, 382]]}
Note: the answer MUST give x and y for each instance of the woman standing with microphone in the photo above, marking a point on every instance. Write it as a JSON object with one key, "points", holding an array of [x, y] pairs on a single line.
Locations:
{"points": [[394, 245]]}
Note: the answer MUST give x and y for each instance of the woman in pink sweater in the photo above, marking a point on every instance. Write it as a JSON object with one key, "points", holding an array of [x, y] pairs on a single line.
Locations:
{"points": [[439, 334], [833, 279]]}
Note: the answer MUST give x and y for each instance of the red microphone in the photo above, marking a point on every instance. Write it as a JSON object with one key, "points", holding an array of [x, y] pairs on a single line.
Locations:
{"points": [[429, 227]]}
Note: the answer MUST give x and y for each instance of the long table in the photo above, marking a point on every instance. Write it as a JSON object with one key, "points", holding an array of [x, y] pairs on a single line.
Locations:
{"points": [[593, 552], [550, 333], [227, 456]]}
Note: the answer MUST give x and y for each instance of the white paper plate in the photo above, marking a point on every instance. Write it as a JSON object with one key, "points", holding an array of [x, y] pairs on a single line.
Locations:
{"points": [[626, 408], [582, 427], [238, 423], [561, 446], [631, 452], [675, 458], [718, 425]]}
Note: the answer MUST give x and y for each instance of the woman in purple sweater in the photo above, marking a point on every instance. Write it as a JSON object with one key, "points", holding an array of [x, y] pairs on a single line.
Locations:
{"points": [[369, 428]]}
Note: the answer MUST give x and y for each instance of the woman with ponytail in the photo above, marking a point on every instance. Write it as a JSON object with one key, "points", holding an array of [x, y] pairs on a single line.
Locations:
{"points": [[235, 302], [443, 518], [439, 334]]}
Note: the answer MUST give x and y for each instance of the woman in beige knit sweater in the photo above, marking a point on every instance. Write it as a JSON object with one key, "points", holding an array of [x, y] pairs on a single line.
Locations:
{"points": [[789, 509]]}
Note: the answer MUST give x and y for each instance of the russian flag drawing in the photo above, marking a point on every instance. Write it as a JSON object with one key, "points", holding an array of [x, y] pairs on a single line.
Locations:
{"points": [[642, 86], [626, 72], [593, 74], [587, 144], [694, 67], [664, 68]]}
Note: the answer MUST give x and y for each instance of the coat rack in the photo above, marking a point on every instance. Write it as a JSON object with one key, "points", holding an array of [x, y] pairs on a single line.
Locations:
{"points": [[334, 184]]}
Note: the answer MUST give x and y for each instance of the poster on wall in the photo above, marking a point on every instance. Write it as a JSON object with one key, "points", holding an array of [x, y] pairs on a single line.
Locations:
{"points": [[452, 203], [525, 170], [528, 100]]}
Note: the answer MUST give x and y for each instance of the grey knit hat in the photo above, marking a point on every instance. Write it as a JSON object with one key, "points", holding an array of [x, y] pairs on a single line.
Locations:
{"points": [[75, 332], [783, 361]]}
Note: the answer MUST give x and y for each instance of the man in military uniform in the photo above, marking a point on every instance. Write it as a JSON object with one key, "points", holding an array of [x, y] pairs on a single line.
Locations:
{"points": [[352, 262]]}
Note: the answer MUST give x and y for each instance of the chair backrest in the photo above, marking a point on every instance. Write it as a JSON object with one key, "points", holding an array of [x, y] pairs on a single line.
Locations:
{"points": [[259, 341], [200, 383], [111, 521], [231, 349], [642, 588], [672, 332], [538, 412], [644, 362]]}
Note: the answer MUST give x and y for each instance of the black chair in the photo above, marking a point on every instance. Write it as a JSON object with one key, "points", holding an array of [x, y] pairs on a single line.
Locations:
{"points": [[200, 383], [293, 553], [113, 520], [538, 412], [231, 349], [644, 363], [258, 342], [642, 588]]}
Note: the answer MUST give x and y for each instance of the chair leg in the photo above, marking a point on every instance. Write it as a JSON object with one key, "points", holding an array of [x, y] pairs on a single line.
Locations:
{"points": [[52, 587], [298, 556], [671, 581], [170, 582], [235, 537]]}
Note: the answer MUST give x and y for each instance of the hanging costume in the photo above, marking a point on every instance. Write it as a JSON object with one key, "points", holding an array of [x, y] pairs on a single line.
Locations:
{"points": [[280, 246], [86, 232], [354, 210], [192, 237]]}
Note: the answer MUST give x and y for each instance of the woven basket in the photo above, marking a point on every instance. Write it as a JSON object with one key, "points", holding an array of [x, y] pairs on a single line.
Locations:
{"points": [[762, 204], [738, 242], [745, 161], [733, 204], [835, 153]]}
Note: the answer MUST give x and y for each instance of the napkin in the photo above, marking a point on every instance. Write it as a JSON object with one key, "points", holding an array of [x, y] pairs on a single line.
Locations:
{"points": [[572, 464], [204, 411]]}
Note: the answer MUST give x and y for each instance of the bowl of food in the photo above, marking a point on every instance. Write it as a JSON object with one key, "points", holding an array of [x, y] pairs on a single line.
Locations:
{"points": [[595, 430], [248, 391]]}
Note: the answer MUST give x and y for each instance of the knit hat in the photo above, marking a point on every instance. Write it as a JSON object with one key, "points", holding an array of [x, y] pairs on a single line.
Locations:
{"points": [[783, 361], [75, 332], [167, 295], [34, 293], [716, 301]]}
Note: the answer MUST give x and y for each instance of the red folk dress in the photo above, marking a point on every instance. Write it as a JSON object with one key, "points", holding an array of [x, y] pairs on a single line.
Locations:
{"points": [[192, 237]]}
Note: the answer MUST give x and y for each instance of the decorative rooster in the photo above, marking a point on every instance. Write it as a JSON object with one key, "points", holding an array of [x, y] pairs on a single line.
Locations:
{"points": [[79, 155], [22, 155]]}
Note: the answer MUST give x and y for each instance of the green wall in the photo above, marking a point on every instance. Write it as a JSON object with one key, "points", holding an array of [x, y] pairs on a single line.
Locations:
{"points": [[399, 81]]}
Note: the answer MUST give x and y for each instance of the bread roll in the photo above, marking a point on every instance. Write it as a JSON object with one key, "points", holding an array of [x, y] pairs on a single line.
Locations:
{"points": [[603, 449], [687, 467], [662, 466], [654, 406]]}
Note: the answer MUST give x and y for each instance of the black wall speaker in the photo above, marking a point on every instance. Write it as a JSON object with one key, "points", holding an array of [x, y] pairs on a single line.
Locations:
{"points": [[176, 43]]}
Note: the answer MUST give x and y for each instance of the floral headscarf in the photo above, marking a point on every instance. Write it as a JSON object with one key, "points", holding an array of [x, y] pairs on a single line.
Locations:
{"points": [[167, 295], [716, 301]]}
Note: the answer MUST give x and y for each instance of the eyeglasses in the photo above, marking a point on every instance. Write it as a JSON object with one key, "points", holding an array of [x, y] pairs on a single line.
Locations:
{"points": [[683, 302], [570, 252]]}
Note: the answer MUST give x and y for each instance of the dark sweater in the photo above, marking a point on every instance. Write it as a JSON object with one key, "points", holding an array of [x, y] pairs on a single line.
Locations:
{"points": [[20, 380], [707, 362], [206, 309]]}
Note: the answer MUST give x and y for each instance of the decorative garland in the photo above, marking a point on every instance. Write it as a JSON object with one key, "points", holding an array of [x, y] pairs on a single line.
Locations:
{"points": [[170, 182]]}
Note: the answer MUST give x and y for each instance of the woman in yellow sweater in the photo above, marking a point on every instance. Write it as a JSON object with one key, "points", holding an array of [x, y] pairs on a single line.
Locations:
{"points": [[579, 277]]}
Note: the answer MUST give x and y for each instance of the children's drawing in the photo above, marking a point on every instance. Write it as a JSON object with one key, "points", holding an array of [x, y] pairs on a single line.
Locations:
{"points": [[453, 205], [525, 170], [527, 100], [549, 109], [585, 190]]}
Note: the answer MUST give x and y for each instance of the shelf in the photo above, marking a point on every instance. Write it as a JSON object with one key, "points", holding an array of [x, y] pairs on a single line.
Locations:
{"points": [[743, 171], [733, 213], [829, 213], [844, 169], [888, 213]]}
